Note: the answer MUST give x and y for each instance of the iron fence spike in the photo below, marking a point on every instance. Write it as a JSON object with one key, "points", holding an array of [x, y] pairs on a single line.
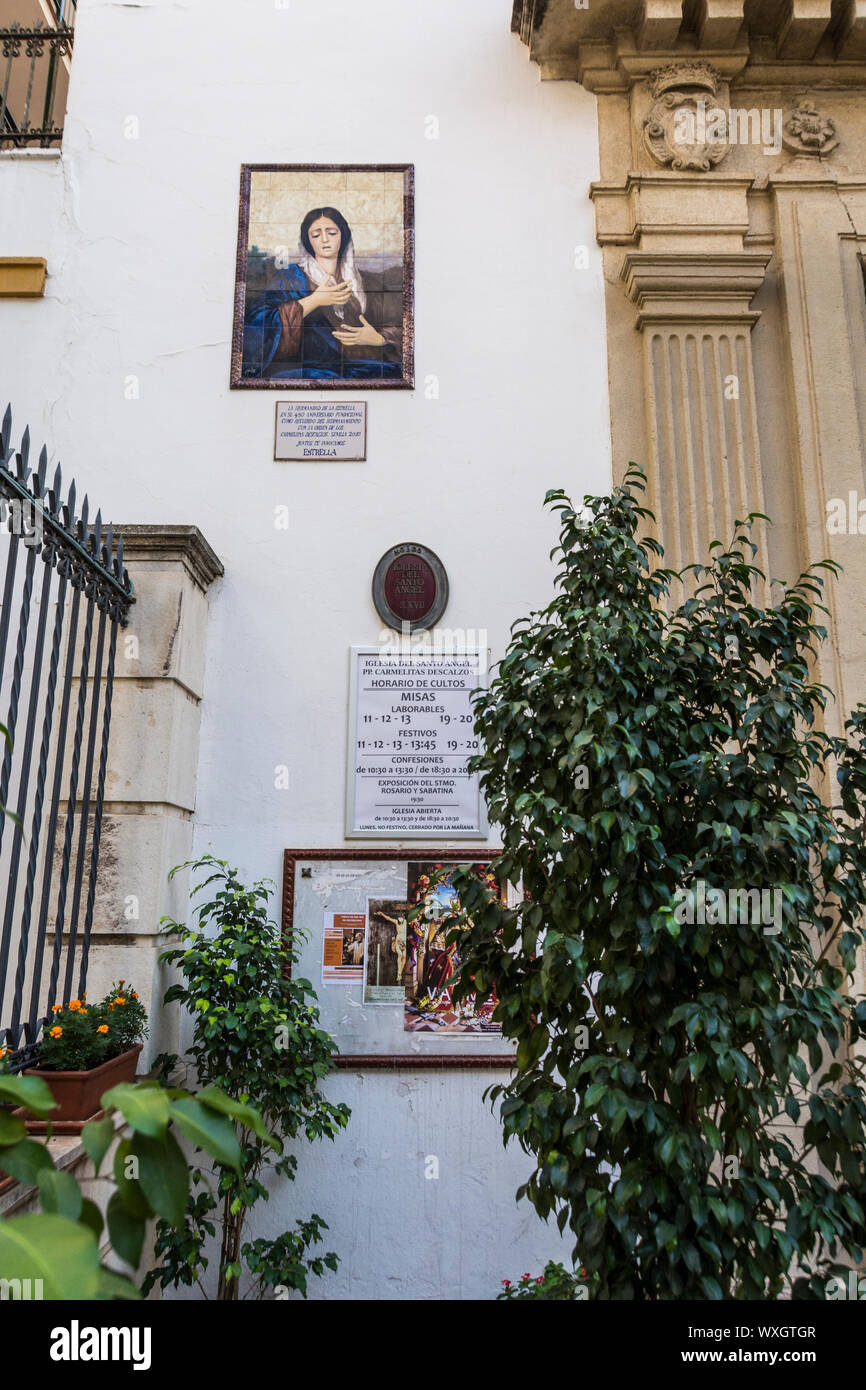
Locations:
{"points": [[56, 488], [70, 507], [24, 455], [41, 470]]}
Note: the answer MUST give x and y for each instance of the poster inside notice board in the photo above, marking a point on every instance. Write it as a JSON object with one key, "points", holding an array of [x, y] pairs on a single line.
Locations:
{"points": [[385, 982]]}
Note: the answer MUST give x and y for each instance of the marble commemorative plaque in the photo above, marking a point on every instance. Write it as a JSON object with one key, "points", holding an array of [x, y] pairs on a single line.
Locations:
{"points": [[318, 431]]}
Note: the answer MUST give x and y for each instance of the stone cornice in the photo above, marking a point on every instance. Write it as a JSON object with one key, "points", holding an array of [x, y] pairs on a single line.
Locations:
{"points": [[609, 45], [183, 545], [643, 203], [677, 287]]}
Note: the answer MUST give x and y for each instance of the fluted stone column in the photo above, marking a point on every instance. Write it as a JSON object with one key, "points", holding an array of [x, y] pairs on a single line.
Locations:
{"points": [[695, 317]]}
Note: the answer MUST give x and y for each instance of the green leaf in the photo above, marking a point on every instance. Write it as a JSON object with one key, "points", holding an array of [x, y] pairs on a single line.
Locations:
{"points": [[666, 1235], [91, 1217], [59, 1193], [60, 1252], [143, 1107], [31, 1092], [126, 1166], [12, 1128], [207, 1130], [163, 1175], [97, 1137], [126, 1232], [246, 1115], [559, 1173], [712, 1133], [25, 1160]]}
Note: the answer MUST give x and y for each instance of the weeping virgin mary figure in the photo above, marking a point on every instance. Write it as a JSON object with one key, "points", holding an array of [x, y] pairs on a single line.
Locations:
{"points": [[316, 320]]}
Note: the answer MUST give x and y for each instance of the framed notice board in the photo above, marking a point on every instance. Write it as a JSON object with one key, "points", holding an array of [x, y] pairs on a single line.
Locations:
{"points": [[383, 982]]}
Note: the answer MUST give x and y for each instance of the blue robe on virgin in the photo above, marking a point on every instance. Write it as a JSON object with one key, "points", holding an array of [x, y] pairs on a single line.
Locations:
{"points": [[280, 344]]}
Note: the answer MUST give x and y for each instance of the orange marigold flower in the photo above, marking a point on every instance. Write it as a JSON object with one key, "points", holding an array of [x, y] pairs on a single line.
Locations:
{"points": [[56, 1008], [120, 999], [56, 1032], [103, 1028], [75, 1005]]}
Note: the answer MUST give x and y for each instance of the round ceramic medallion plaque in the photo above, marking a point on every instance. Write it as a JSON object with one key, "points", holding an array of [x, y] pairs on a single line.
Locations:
{"points": [[410, 586]]}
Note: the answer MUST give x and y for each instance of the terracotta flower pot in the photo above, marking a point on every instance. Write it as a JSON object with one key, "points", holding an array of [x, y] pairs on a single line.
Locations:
{"points": [[78, 1092]]}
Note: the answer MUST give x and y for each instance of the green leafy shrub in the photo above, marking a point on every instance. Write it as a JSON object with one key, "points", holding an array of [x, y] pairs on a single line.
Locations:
{"points": [[256, 1036], [650, 761], [557, 1284], [80, 1036]]}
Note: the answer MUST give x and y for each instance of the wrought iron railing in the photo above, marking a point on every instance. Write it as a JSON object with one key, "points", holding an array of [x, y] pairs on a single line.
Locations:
{"points": [[34, 77], [64, 576]]}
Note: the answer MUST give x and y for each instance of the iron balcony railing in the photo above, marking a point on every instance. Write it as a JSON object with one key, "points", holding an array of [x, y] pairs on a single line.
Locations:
{"points": [[63, 598], [35, 54]]}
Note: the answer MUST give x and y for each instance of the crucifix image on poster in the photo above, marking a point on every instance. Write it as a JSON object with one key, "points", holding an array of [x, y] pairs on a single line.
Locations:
{"points": [[385, 951]]}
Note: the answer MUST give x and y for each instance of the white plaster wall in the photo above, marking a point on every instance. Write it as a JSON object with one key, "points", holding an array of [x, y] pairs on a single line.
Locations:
{"points": [[140, 240]]}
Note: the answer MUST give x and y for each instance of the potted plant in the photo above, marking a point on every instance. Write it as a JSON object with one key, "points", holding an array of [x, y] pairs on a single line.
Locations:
{"points": [[87, 1049]]}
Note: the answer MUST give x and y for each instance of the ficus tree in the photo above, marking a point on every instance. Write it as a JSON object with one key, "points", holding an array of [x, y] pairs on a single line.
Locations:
{"points": [[678, 973], [256, 1037]]}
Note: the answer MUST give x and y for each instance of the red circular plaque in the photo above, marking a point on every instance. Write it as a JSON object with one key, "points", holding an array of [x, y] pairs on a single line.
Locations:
{"points": [[410, 587]]}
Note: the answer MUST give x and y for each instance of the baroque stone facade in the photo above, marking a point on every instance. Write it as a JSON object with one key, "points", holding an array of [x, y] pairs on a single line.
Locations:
{"points": [[734, 272]]}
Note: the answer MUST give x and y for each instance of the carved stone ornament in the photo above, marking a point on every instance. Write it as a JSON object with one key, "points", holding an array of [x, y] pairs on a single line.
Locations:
{"points": [[680, 131], [806, 131]]}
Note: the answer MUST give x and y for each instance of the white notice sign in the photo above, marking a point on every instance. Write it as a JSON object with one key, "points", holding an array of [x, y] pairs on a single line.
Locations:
{"points": [[410, 738], [321, 430]]}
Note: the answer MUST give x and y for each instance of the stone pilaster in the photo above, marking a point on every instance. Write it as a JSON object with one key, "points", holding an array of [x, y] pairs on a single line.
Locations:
{"points": [[153, 763], [695, 317], [820, 227]]}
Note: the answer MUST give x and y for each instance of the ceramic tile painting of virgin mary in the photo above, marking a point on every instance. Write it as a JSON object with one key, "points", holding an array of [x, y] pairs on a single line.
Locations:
{"points": [[323, 295]]}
